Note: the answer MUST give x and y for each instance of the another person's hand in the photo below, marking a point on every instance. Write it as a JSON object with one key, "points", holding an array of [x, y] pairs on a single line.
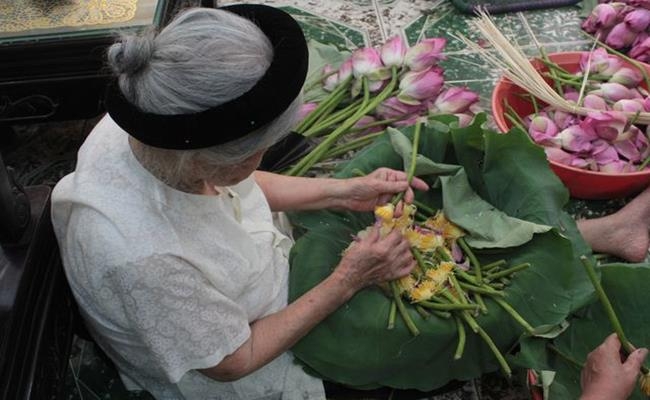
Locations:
{"points": [[605, 376], [374, 259], [378, 188]]}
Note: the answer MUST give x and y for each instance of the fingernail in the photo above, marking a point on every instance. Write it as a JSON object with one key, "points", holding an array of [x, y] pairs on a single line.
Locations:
{"points": [[642, 352]]}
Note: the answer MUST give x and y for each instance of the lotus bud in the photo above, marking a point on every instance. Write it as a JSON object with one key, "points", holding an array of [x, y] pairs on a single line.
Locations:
{"points": [[628, 106], [602, 16], [640, 49], [367, 62], [417, 86], [603, 153], [601, 63], [616, 167], [558, 155], [620, 36], [595, 102], [376, 86], [638, 20], [571, 95], [628, 149], [345, 70], [646, 104], [393, 108], [305, 110], [580, 162], [640, 3], [425, 54], [363, 122], [393, 51], [407, 121], [564, 119], [612, 91], [331, 78], [574, 138], [543, 131], [464, 119], [454, 100], [627, 77], [605, 124]]}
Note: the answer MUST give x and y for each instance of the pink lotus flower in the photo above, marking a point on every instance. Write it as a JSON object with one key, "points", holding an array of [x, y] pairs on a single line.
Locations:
{"points": [[331, 79], [640, 49], [367, 62], [558, 155], [605, 124], [464, 119], [564, 119], [544, 131], [640, 3], [612, 91], [345, 70], [603, 152], [628, 106], [602, 16], [628, 149], [627, 77], [453, 101], [305, 110], [363, 122], [393, 108], [620, 36], [575, 138], [616, 167], [580, 162], [417, 86], [638, 20], [646, 105], [595, 102], [425, 54], [393, 51], [601, 63], [571, 95]]}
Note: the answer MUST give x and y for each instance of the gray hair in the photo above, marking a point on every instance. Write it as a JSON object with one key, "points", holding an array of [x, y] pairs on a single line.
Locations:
{"points": [[203, 58]]}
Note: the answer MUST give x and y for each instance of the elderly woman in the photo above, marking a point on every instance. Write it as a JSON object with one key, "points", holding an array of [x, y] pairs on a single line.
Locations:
{"points": [[167, 232]]}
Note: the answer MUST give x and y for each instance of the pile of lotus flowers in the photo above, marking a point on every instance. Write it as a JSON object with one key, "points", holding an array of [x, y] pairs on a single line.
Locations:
{"points": [[605, 139], [393, 85], [623, 25], [449, 281]]}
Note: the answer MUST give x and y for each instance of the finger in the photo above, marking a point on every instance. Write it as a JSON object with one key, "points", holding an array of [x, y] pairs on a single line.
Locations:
{"points": [[374, 233], [611, 342], [419, 184], [635, 359], [399, 210], [409, 195], [405, 270], [386, 186]]}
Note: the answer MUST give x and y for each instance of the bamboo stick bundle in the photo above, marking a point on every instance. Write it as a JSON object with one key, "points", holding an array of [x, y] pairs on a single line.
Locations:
{"points": [[516, 66]]}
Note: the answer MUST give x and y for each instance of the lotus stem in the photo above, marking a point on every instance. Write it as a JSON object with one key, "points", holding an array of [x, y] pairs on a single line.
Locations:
{"points": [[423, 207], [632, 61], [309, 120], [352, 145], [419, 260], [566, 357], [391, 315], [402, 310], [447, 306], [460, 347], [514, 314], [481, 289], [326, 122], [411, 170], [507, 272], [492, 265], [442, 314], [472, 259], [609, 310], [423, 313]]}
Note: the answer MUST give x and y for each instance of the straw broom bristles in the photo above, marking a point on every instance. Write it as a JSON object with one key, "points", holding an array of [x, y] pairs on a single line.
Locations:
{"points": [[515, 66]]}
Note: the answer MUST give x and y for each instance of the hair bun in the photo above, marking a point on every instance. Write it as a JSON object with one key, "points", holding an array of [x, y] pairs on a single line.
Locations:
{"points": [[132, 53]]}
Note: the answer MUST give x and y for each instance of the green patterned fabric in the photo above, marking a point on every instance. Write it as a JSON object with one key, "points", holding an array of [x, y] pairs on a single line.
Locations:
{"points": [[502, 6]]}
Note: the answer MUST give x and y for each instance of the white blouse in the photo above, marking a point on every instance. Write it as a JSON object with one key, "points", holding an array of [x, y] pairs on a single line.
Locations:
{"points": [[168, 282]]}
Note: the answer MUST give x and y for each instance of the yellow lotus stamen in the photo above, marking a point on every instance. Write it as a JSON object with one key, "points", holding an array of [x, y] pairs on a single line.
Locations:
{"points": [[440, 274], [644, 384], [385, 213], [407, 283], [441, 224]]}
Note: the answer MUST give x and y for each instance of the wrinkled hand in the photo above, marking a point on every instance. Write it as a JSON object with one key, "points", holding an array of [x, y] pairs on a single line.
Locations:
{"points": [[605, 376], [374, 259], [378, 188]]}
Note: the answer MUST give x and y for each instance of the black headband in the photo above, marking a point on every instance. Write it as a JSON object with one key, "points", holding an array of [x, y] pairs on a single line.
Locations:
{"points": [[264, 102]]}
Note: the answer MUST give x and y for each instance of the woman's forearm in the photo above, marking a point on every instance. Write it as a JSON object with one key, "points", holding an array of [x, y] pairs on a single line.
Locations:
{"points": [[286, 193], [278, 332]]}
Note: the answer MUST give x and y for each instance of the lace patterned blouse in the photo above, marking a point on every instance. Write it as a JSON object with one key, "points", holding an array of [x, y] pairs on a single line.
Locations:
{"points": [[168, 282]]}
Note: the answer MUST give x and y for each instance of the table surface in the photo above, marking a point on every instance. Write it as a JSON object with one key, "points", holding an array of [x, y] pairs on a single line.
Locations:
{"points": [[347, 24], [29, 20]]}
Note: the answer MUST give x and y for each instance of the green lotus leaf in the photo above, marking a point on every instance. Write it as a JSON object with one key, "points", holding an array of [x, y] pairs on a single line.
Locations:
{"points": [[353, 347], [626, 286]]}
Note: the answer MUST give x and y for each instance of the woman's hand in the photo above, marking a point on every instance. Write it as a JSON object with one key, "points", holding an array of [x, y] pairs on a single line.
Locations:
{"points": [[377, 188], [605, 376], [374, 259]]}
